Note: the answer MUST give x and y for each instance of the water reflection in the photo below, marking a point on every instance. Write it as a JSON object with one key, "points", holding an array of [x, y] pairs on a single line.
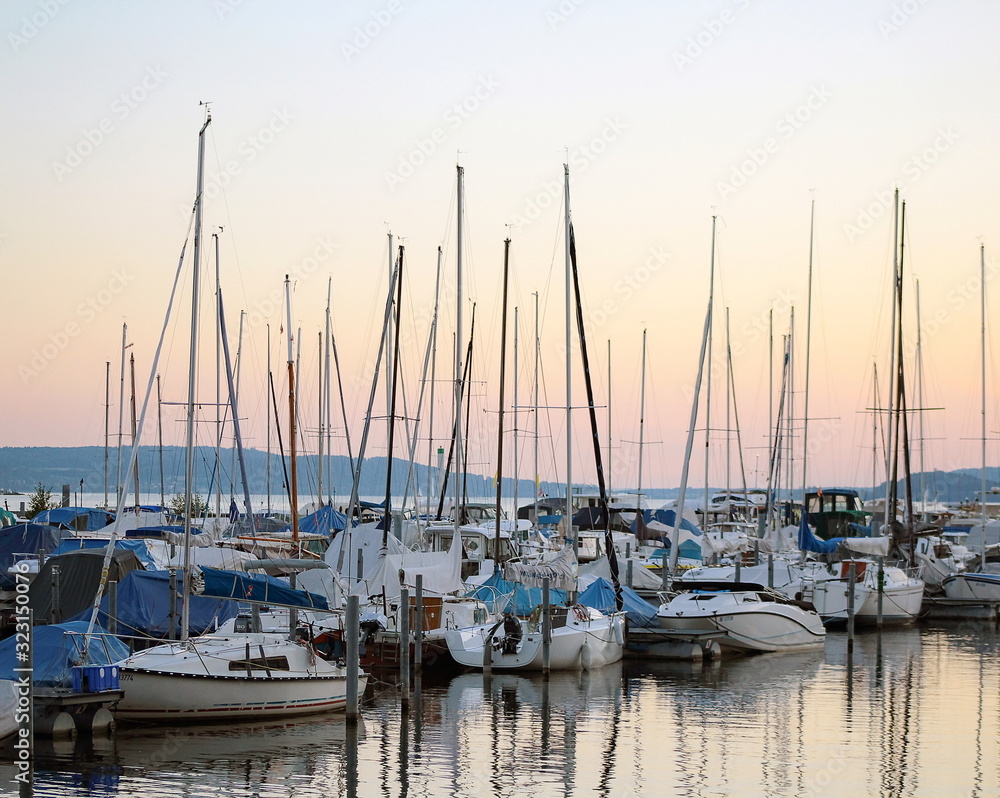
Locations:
{"points": [[910, 712]]}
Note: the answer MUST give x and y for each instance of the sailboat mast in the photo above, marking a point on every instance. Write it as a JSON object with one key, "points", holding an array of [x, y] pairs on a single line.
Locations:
{"points": [[192, 383], [503, 374], [890, 488], [805, 402], [135, 442], [322, 430], [430, 424], [107, 412], [159, 434], [607, 474], [537, 482], [642, 417], [982, 361], [516, 411], [920, 408], [458, 511], [218, 386], [268, 404], [121, 417], [708, 381], [293, 481], [568, 515], [394, 366]]}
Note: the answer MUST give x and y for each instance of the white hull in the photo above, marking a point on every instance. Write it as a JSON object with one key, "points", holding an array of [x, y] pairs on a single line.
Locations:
{"points": [[744, 622], [580, 644], [208, 679], [972, 587]]}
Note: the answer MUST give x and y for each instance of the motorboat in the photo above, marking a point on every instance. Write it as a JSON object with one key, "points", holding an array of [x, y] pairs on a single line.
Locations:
{"points": [[746, 616]]}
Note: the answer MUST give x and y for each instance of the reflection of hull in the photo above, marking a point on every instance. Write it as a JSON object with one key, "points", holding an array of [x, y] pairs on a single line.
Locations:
{"points": [[900, 603], [972, 587], [254, 675], [752, 626], [580, 644], [8, 707]]}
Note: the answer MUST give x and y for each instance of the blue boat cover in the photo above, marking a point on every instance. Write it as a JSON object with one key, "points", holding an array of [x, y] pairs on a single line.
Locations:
{"points": [[137, 546], [144, 608], [601, 596], [325, 521], [258, 588], [23, 539], [57, 648], [809, 542], [666, 516], [160, 531], [524, 600], [66, 517]]}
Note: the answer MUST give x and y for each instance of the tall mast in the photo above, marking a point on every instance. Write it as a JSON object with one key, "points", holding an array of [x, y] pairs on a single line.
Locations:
{"points": [[642, 416], [293, 483], [192, 381], [920, 407], [159, 432], [708, 381], [320, 408], [805, 404], [134, 420], [458, 511], [729, 429], [388, 355], [607, 472], [218, 385], [107, 412], [890, 489], [268, 404], [328, 416], [537, 480], [430, 425], [393, 365], [503, 373], [982, 352], [568, 515], [516, 411], [121, 417]]}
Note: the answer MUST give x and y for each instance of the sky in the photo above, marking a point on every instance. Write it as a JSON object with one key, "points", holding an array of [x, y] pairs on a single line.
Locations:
{"points": [[337, 124]]}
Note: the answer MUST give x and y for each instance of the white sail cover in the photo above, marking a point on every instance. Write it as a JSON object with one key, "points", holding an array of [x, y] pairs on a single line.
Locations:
{"points": [[872, 546], [560, 570], [342, 554], [441, 571], [642, 577]]}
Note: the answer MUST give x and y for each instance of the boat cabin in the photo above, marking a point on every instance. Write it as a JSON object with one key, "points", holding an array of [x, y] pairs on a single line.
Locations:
{"points": [[830, 512]]}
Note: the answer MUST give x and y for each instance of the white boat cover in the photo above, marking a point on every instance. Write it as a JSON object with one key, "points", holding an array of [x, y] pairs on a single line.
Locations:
{"points": [[441, 571], [871, 546], [642, 577]]}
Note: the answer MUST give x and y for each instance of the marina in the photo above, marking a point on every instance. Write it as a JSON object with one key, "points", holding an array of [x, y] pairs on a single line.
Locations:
{"points": [[909, 713]]}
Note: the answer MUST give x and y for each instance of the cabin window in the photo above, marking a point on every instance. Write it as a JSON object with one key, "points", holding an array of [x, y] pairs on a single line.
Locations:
{"points": [[260, 664]]}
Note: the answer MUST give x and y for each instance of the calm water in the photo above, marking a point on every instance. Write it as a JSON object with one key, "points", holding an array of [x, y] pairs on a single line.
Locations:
{"points": [[915, 712]]}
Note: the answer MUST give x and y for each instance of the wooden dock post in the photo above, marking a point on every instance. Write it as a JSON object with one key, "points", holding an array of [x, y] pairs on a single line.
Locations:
{"points": [[352, 635]]}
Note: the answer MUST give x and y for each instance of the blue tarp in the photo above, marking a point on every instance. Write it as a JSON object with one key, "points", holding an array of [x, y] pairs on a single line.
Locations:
{"points": [[57, 648], [325, 521], [144, 607], [257, 588], [137, 546], [525, 600], [23, 539], [809, 542], [160, 531], [667, 516], [67, 517], [601, 596]]}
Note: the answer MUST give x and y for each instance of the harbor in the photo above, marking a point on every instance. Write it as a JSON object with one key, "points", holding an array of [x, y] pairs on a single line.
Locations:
{"points": [[911, 712]]}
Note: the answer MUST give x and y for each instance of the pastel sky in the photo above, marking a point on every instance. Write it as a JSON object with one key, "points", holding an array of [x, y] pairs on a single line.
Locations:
{"points": [[335, 123]]}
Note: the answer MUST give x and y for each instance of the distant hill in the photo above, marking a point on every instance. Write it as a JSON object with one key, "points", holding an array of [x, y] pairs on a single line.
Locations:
{"points": [[23, 468]]}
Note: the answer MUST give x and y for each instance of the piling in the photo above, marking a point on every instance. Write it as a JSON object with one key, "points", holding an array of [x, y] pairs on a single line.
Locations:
{"points": [[404, 647], [850, 606], [546, 626], [418, 628], [55, 616], [770, 570], [881, 591], [352, 637], [628, 573]]}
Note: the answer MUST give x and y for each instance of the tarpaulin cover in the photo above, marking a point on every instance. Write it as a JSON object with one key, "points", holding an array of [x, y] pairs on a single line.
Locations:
{"points": [[67, 517], [138, 547], [525, 599], [809, 542], [79, 578], [324, 521], [601, 596], [57, 648], [23, 539], [257, 588], [144, 607]]}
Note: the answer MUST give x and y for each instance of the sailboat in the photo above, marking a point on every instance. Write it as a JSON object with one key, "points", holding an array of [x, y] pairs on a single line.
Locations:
{"points": [[227, 675]]}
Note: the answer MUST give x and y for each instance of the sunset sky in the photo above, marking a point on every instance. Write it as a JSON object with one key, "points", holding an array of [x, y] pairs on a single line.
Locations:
{"points": [[336, 123]]}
